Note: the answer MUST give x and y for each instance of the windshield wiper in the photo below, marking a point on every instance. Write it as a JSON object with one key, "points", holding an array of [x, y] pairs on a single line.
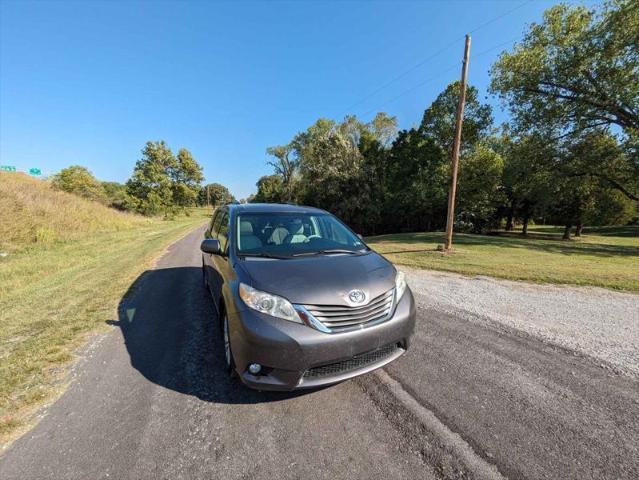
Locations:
{"points": [[328, 251], [264, 255]]}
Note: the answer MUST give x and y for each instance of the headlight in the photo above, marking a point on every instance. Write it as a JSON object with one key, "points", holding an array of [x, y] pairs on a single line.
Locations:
{"points": [[270, 304], [400, 285]]}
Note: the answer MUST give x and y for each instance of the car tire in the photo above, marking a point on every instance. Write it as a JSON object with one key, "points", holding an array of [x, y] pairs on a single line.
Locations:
{"points": [[229, 363]]}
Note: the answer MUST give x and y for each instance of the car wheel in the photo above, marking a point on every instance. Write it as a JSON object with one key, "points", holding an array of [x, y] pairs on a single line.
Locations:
{"points": [[228, 353]]}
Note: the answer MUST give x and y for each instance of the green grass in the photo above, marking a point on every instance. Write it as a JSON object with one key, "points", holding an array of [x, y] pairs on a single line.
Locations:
{"points": [[605, 257], [54, 294]]}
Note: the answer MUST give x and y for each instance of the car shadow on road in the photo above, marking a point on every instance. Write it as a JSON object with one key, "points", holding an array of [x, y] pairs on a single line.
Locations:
{"points": [[172, 335]]}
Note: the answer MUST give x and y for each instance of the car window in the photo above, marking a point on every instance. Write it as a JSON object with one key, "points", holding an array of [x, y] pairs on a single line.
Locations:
{"points": [[290, 234], [335, 231], [223, 231]]}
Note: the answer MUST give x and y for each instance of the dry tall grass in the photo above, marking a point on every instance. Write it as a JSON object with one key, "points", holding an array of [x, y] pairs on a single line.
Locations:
{"points": [[32, 212]]}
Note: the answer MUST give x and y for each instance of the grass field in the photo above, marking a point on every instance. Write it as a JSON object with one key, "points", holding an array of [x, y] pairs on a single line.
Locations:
{"points": [[54, 293], [34, 214], [605, 257]]}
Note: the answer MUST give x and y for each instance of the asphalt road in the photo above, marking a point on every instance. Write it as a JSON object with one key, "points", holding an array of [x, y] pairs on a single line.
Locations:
{"points": [[150, 400]]}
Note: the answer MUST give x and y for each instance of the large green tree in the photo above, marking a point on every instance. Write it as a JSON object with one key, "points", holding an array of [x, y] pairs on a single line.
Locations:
{"points": [[186, 177], [582, 197], [416, 181], [214, 194], [285, 166], [162, 182], [480, 192], [333, 165], [577, 71], [439, 118], [151, 185], [330, 168], [270, 189], [527, 177]]}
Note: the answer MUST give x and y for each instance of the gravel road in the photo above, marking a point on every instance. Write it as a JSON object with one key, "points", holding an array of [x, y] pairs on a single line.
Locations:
{"points": [[593, 321], [473, 398]]}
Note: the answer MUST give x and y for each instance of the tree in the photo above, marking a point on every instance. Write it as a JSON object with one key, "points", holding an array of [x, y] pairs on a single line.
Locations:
{"points": [[611, 207], [375, 152], [575, 72], [416, 182], [270, 189], [116, 195], [186, 177], [337, 166], [162, 182], [286, 167], [79, 181], [383, 128], [527, 177], [214, 194], [151, 185], [480, 174], [330, 169], [583, 196], [572, 200], [439, 118]]}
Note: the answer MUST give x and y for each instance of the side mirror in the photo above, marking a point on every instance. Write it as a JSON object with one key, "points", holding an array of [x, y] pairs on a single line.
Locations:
{"points": [[210, 246]]}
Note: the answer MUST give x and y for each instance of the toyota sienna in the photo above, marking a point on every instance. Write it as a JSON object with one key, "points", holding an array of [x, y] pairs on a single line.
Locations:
{"points": [[302, 301]]}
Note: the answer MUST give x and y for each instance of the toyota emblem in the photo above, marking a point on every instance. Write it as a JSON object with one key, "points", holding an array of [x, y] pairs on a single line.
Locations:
{"points": [[356, 296]]}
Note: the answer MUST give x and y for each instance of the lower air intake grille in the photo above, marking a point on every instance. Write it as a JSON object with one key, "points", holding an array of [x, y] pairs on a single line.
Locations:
{"points": [[358, 361]]}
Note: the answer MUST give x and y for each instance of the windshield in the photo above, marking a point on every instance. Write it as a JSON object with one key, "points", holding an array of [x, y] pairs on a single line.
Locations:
{"points": [[294, 234]]}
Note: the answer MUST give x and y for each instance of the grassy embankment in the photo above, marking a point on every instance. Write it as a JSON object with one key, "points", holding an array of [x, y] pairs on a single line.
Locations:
{"points": [[68, 263], [605, 257]]}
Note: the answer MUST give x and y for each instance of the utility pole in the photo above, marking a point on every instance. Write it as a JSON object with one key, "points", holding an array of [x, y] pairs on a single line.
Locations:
{"points": [[459, 119]]}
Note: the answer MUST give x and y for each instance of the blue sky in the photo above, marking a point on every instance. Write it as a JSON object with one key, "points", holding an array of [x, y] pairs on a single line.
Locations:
{"points": [[90, 82]]}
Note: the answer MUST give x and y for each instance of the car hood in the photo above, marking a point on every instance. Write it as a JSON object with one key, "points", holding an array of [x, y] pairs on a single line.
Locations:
{"points": [[322, 280]]}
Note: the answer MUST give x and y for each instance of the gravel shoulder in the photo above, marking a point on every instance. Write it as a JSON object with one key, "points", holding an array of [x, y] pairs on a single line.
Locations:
{"points": [[600, 323]]}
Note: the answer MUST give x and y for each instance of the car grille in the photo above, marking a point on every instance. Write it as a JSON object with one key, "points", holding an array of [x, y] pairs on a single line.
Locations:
{"points": [[358, 361], [338, 318]]}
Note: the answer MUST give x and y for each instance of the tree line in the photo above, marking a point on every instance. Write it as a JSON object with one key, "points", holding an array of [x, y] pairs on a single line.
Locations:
{"points": [[162, 183], [569, 155]]}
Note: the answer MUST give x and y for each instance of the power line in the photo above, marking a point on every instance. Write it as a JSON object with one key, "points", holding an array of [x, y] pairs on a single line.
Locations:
{"points": [[420, 84], [435, 77], [494, 47], [404, 73], [493, 20], [430, 57]]}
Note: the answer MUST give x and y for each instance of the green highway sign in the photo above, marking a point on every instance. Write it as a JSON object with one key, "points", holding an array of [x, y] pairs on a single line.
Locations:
{"points": [[35, 172], [8, 168]]}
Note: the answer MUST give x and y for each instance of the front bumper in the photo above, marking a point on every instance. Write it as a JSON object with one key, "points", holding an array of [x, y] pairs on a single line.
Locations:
{"points": [[295, 356]]}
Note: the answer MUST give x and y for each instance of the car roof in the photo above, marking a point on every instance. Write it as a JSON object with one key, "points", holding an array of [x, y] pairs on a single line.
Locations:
{"points": [[272, 208]]}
